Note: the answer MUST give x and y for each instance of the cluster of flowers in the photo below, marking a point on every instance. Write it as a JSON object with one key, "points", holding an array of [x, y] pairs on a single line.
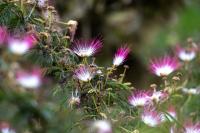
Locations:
{"points": [[85, 73], [19, 46], [149, 99]]}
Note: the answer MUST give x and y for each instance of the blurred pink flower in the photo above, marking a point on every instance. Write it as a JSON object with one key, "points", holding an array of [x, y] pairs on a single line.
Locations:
{"points": [[164, 66], [120, 56], [21, 46], [86, 48], [171, 114], [29, 79], [192, 91], [5, 128], [151, 117], [3, 35], [101, 126], [84, 73], [140, 98], [192, 127], [186, 54]]}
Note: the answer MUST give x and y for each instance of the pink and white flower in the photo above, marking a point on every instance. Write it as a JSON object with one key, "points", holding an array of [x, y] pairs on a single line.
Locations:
{"points": [[139, 98], [171, 114], [159, 96], [101, 126], [86, 48], [164, 66], [30, 80], [84, 73], [151, 117], [21, 46], [120, 56], [3, 35], [5, 128], [186, 54], [191, 127], [192, 91]]}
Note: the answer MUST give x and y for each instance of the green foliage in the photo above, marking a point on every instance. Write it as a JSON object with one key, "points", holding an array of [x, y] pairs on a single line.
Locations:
{"points": [[11, 16]]}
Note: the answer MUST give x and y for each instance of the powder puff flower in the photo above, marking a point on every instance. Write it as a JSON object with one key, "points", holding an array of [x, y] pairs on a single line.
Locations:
{"points": [[159, 96], [5, 128], [171, 114], [86, 48], [3, 35], [120, 56], [30, 80], [21, 46], [151, 117], [186, 54], [84, 73], [191, 127], [101, 126], [193, 91], [164, 66], [139, 98]]}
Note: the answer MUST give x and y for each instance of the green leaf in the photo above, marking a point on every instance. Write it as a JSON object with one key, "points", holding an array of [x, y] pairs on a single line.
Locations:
{"points": [[10, 15]]}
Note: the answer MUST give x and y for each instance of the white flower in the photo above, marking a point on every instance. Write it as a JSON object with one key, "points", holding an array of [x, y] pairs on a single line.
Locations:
{"points": [[164, 66], [120, 56], [193, 91], [84, 73], [30, 80], [187, 56], [139, 98], [101, 126], [151, 117]]}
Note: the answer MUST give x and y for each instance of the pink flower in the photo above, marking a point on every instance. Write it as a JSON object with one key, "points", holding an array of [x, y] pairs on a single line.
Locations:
{"points": [[84, 73], [191, 127], [186, 54], [86, 48], [101, 126], [151, 117], [164, 66], [120, 56], [3, 35], [5, 128], [21, 46], [192, 91], [29, 79], [139, 98], [159, 96], [170, 115]]}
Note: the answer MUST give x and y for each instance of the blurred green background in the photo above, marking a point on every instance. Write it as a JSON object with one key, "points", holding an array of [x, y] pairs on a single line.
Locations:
{"points": [[149, 27]]}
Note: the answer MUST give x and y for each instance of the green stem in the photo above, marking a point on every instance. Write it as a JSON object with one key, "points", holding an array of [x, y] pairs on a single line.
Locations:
{"points": [[124, 129], [108, 73], [22, 6], [186, 102], [95, 103], [123, 75], [31, 12], [85, 61]]}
